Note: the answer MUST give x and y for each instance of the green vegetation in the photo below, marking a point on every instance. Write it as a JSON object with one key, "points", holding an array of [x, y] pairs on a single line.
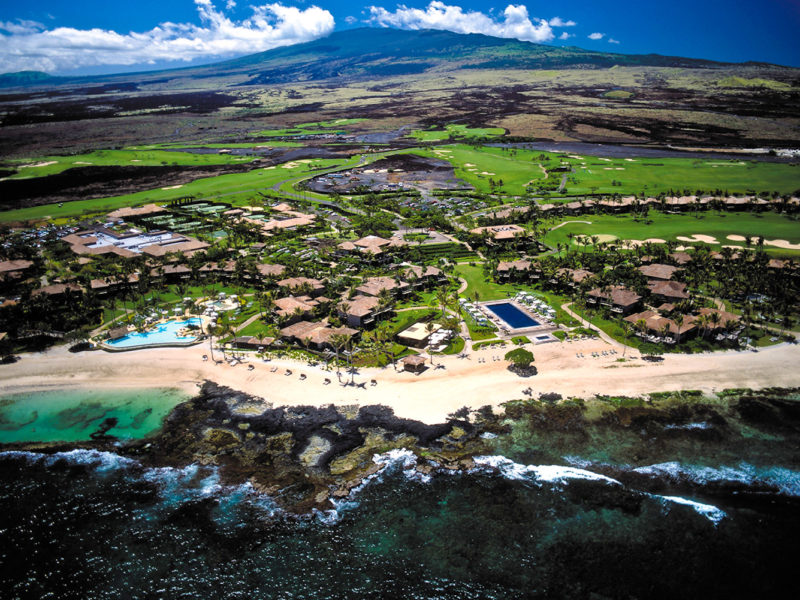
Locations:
{"points": [[668, 227], [517, 170], [456, 132], [755, 82], [618, 95], [455, 346], [521, 357], [237, 188], [50, 165]]}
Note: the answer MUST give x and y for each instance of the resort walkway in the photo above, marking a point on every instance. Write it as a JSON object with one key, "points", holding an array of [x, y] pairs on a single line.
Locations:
{"points": [[603, 335]]}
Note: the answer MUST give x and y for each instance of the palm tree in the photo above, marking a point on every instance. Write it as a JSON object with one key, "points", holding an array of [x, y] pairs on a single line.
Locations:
{"points": [[679, 322], [430, 327], [211, 330], [338, 341]]}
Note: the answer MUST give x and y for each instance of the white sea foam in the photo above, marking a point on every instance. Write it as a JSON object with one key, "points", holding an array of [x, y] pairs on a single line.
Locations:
{"points": [[710, 512], [539, 473], [785, 480], [102, 461], [689, 426], [403, 459]]}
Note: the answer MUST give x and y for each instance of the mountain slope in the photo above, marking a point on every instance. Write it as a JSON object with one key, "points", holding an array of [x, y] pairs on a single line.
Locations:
{"points": [[372, 52]]}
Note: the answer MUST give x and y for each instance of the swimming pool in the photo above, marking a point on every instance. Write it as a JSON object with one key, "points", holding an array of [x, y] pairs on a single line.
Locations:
{"points": [[515, 318], [165, 333]]}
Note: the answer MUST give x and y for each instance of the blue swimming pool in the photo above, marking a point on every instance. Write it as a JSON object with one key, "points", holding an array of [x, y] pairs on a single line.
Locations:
{"points": [[515, 318], [165, 333]]}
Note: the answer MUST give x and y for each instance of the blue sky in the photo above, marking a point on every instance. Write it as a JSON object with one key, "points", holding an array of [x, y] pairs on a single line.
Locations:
{"points": [[97, 36]]}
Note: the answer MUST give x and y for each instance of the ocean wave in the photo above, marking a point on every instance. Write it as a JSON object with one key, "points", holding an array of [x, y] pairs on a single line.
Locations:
{"points": [[710, 512], [101, 461], [539, 473], [786, 481]]}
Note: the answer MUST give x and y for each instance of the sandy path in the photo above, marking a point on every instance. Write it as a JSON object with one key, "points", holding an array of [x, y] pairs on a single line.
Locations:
{"points": [[430, 396]]}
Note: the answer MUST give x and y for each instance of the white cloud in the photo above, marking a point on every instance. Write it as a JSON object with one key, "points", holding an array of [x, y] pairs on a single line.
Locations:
{"points": [[558, 22], [596, 36], [565, 36], [21, 27], [515, 22], [66, 48], [230, 4], [613, 41]]}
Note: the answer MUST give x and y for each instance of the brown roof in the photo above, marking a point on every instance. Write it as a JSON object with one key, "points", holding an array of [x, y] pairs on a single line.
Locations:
{"points": [[270, 270], [373, 286], [414, 360], [318, 332], [724, 316], [668, 289], [117, 332], [421, 272], [576, 275], [360, 306], [9, 266], [296, 282], [658, 271], [619, 296], [518, 265], [681, 258], [58, 289], [656, 322], [288, 305], [138, 211], [500, 232], [187, 246]]}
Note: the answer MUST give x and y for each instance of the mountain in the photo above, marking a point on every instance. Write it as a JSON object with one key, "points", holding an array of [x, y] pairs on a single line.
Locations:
{"points": [[369, 53]]}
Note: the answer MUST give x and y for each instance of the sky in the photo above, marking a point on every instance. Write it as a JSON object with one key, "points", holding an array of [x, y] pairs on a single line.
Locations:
{"points": [[78, 37]]}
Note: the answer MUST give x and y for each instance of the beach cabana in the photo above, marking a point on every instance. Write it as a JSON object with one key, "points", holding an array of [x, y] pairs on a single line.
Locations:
{"points": [[414, 363]]}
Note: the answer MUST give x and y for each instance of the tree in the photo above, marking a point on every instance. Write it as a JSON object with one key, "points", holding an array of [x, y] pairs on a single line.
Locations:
{"points": [[521, 358], [338, 341], [211, 330], [430, 327]]}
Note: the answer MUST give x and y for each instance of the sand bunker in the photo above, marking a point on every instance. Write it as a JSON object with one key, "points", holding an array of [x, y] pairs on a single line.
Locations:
{"points": [[487, 173], [468, 165], [172, 187], [635, 243], [699, 238], [586, 240], [41, 164], [80, 162]]}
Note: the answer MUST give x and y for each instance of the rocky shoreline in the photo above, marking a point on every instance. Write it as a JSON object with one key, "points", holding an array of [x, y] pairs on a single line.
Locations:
{"points": [[306, 458]]}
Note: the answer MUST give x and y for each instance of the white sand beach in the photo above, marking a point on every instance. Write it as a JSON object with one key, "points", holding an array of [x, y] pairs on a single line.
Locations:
{"points": [[430, 396]]}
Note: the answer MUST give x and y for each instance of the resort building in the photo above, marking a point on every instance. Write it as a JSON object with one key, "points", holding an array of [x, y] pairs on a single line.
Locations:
{"points": [[500, 233], [295, 308], [668, 291], [420, 277], [658, 271], [661, 328], [361, 311], [373, 286], [617, 298], [315, 335], [303, 286], [371, 245], [101, 240], [417, 335], [14, 269], [517, 269]]}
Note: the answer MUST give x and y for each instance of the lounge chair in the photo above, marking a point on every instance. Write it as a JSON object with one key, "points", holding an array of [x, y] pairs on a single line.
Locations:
{"points": [[302, 376], [288, 372], [250, 367], [273, 369]]}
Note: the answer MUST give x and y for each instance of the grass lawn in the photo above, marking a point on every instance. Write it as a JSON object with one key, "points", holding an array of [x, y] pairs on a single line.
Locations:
{"points": [[455, 346], [668, 227], [518, 167], [486, 290], [456, 131], [268, 144], [235, 188], [50, 165], [478, 165], [405, 319]]}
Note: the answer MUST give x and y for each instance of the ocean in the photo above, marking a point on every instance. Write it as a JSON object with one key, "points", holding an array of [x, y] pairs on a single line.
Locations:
{"points": [[550, 514]]}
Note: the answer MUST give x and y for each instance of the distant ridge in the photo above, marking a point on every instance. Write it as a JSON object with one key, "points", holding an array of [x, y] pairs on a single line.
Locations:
{"points": [[369, 53]]}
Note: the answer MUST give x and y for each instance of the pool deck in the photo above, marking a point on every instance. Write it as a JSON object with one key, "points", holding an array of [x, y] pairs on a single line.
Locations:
{"points": [[506, 331]]}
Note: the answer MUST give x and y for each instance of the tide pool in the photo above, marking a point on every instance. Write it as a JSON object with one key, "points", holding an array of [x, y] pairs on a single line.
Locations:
{"points": [[73, 415]]}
